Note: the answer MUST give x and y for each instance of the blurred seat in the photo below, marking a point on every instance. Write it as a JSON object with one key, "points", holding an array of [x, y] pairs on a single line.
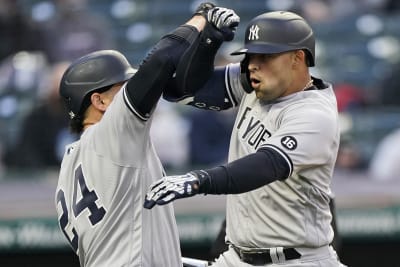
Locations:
{"points": [[20, 76]]}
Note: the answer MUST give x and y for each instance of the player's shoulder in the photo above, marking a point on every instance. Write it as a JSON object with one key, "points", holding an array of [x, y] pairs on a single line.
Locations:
{"points": [[69, 148], [320, 96], [313, 104], [317, 104]]}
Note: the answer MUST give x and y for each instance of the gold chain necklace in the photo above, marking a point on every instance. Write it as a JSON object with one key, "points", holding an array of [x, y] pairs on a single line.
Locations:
{"points": [[310, 82]]}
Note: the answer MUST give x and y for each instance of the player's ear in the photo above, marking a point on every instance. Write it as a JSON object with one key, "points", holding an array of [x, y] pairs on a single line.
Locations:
{"points": [[299, 58], [98, 102]]}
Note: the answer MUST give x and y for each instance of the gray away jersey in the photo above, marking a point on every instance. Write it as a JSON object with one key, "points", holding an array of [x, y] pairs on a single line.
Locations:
{"points": [[303, 128], [102, 185]]}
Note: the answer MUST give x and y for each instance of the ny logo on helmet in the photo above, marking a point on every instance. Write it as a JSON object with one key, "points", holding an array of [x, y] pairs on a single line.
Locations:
{"points": [[253, 32]]}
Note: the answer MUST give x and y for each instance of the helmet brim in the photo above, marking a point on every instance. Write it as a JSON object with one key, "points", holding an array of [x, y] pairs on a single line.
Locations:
{"points": [[129, 73], [263, 48]]}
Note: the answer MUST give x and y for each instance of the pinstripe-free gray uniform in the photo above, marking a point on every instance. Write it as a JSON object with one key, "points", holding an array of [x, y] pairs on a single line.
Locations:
{"points": [[282, 153], [303, 128], [99, 204]]}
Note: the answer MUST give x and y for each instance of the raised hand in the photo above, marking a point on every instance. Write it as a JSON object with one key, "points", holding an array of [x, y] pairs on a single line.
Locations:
{"points": [[225, 20]]}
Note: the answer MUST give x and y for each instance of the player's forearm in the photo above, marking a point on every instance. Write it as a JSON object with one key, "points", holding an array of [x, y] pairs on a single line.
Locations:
{"points": [[197, 64], [143, 93], [213, 95], [245, 174], [240, 176]]}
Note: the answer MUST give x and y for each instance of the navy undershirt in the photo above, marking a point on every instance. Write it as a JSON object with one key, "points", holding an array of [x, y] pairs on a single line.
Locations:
{"points": [[245, 174]]}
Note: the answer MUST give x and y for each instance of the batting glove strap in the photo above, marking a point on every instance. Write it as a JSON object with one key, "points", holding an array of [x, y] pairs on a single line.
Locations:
{"points": [[204, 180], [211, 38]]}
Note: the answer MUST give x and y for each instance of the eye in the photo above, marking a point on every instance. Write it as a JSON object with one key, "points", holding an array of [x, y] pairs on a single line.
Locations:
{"points": [[258, 56], [270, 56]]}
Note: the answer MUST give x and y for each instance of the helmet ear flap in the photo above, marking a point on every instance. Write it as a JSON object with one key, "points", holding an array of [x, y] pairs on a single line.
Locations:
{"points": [[245, 75], [309, 58]]}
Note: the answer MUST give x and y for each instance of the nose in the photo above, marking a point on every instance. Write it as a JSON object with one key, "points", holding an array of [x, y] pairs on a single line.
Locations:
{"points": [[253, 66], [253, 63]]}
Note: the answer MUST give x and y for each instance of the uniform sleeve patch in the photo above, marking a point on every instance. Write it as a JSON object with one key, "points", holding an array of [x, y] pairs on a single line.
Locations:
{"points": [[289, 142]]}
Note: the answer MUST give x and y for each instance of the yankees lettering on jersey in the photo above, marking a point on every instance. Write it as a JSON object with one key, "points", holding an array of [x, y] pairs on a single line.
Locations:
{"points": [[254, 131], [303, 129]]}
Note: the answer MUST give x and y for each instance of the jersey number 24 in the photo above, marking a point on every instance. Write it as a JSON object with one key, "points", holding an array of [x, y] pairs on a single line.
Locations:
{"points": [[88, 201]]}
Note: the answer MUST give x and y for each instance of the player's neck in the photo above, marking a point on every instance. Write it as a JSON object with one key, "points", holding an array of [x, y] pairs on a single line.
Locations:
{"points": [[92, 116], [87, 125]]}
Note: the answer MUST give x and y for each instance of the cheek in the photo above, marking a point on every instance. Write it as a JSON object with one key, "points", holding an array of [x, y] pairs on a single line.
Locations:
{"points": [[283, 71], [275, 68], [274, 73]]}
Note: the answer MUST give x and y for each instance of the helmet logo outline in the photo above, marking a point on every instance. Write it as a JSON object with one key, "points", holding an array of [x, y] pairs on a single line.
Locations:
{"points": [[253, 32], [71, 114]]}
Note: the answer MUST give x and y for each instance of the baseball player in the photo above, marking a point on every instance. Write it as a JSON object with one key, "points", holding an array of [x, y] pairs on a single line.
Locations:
{"points": [[105, 174], [282, 151]]}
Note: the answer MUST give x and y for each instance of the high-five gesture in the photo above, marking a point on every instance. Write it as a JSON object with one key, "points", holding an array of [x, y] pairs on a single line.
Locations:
{"points": [[223, 19]]}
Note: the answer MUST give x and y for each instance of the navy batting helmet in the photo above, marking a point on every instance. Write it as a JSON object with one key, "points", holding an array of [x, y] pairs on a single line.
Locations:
{"points": [[96, 71], [276, 32]]}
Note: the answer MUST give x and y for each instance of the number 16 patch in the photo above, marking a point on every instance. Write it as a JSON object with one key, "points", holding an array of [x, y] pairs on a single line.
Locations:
{"points": [[289, 142]]}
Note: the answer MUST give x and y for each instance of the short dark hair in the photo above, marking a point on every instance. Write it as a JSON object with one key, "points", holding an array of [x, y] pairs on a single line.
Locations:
{"points": [[76, 124]]}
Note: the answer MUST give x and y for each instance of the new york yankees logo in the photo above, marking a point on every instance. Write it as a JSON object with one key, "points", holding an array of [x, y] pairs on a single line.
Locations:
{"points": [[253, 32]]}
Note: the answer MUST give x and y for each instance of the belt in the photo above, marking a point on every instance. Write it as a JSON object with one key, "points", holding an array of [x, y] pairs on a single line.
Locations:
{"points": [[267, 256]]}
